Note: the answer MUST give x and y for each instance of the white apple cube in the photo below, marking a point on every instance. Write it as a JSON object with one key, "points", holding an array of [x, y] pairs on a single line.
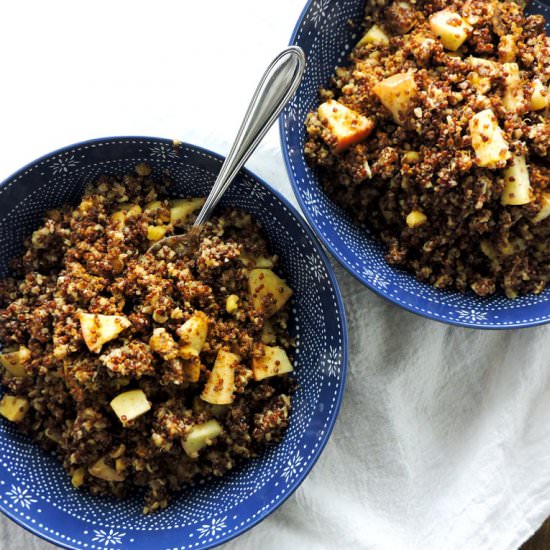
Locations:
{"points": [[544, 211], [396, 93], [513, 99], [375, 35], [14, 408], [193, 334], [540, 96], [450, 28], [346, 127], [201, 435], [517, 189], [129, 405], [268, 292], [182, 209], [488, 141], [99, 329], [103, 471], [14, 361], [220, 385], [269, 361]]}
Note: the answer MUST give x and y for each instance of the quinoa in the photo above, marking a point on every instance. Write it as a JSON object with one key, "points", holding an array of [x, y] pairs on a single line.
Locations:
{"points": [[411, 164], [91, 318]]}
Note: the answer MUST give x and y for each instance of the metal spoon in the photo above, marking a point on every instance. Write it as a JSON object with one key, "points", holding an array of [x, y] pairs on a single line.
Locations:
{"points": [[275, 89]]}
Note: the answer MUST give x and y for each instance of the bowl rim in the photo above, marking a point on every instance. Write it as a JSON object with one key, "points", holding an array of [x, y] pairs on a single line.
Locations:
{"points": [[333, 282], [345, 264]]}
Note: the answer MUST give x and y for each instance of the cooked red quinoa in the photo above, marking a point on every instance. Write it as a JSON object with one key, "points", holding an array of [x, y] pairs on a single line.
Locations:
{"points": [[90, 316], [450, 211]]}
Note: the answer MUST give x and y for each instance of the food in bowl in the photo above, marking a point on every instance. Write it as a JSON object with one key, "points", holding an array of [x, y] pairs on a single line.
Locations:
{"points": [[436, 137], [145, 369]]}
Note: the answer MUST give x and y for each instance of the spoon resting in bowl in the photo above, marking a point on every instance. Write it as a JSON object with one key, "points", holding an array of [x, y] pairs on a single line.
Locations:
{"points": [[275, 89]]}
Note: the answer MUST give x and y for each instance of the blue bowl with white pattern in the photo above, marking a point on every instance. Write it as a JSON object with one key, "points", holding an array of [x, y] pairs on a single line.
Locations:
{"points": [[37, 493], [324, 33]]}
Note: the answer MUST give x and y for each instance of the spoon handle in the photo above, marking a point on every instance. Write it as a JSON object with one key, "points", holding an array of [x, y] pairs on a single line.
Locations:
{"points": [[275, 89]]}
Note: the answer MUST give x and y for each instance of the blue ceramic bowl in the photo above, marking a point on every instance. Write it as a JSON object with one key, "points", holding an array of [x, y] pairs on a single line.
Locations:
{"points": [[326, 37], [36, 492]]}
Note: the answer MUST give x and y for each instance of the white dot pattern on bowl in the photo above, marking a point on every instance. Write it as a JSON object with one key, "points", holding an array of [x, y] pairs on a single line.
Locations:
{"points": [[36, 491], [326, 37]]}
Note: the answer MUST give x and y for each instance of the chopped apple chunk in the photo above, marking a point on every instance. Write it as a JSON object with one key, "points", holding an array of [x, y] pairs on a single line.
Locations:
{"points": [[156, 232], [396, 93], [14, 408], [199, 436], [77, 479], [375, 35], [14, 361], [220, 385], [103, 471], [269, 361], [193, 334], [488, 141], [517, 188], [269, 293], [345, 126], [415, 218], [540, 96], [513, 99], [182, 209], [544, 211], [99, 329], [450, 28], [232, 303], [129, 405]]}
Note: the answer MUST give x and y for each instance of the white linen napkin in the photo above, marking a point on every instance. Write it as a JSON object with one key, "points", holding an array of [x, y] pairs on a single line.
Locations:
{"points": [[443, 440]]}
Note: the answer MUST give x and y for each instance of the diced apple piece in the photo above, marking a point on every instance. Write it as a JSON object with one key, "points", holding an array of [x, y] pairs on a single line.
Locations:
{"points": [[14, 361], [269, 361], [345, 126], [415, 218], [156, 232], [544, 212], [193, 334], [540, 96], [232, 303], [181, 210], [269, 293], [199, 436], [129, 405], [513, 99], [450, 28], [375, 35], [517, 188], [99, 329], [488, 141], [396, 93], [101, 470], [77, 479], [14, 408], [220, 385]]}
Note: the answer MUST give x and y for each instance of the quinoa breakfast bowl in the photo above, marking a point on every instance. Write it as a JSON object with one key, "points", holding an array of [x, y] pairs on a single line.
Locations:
{"points": [[163, 398], [391, 145]]}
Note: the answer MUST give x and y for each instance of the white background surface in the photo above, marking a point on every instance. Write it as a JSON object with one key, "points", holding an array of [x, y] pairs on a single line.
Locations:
{"points": [[443, 440]]}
